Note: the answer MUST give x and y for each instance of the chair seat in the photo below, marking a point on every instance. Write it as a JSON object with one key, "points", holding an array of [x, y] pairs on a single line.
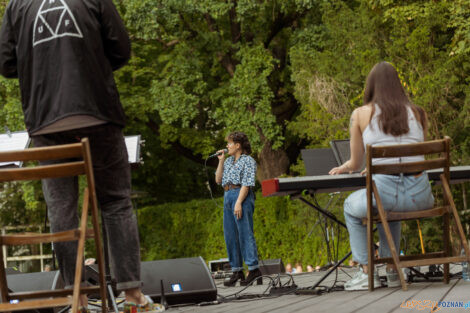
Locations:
{"points": [[443, 260], [36, 238], [36, 304], [424, 259], [411, 215], [51, 293]]}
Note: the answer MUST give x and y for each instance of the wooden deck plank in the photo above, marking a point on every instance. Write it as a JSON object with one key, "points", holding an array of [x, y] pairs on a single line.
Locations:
{"points": [[349, 301], [381, 300], [460, 293], [428, 296], [394, 299]]}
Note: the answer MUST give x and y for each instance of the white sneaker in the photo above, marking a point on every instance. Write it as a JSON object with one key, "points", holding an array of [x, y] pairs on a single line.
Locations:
{"points": [[357, 275], [360, 281]]}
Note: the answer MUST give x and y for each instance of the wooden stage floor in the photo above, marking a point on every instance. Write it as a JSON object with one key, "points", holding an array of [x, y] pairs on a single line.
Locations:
{"points": [[420, 297]]}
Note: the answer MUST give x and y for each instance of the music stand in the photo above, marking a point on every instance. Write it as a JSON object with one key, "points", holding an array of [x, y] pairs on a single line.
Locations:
{"points": [[13, 141], [342, 151], [133, 148], [318, 161]]}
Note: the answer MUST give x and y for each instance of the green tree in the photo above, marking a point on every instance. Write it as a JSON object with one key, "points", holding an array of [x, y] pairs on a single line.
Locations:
{"points": [[221, 66], [425, 40]]}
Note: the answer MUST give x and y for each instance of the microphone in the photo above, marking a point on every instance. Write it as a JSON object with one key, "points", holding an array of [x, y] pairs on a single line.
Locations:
{"points": [[217, 154]]}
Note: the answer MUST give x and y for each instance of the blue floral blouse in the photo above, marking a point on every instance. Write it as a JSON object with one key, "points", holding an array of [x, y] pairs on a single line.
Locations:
{"points": [[241, 172]]}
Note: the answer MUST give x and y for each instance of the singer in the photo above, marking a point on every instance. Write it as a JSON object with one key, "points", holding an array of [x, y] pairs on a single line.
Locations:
{"points": [[237, 176]]}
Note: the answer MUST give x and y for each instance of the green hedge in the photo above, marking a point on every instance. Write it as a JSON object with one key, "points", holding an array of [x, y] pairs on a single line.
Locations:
{"points": [[284, 228]]}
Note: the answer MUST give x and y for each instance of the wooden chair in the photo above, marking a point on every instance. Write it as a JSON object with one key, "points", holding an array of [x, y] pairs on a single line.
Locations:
{"points": [[83, 166], [440, 147]]}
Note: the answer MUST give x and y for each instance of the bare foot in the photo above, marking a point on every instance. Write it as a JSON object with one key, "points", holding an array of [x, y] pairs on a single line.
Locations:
{"points": [[135, 295]]}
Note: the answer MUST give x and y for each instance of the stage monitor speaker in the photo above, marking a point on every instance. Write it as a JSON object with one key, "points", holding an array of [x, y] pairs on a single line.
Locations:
{"points": [[185, 280], [22, 282], [272, 266]]}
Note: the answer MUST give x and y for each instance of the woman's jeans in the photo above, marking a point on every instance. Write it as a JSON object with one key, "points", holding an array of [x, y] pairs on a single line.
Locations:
{"points": [[398, 193], [239, 237]]}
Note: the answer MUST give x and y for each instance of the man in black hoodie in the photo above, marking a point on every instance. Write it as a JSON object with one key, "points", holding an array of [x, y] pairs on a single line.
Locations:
{"points": [[64, 53]]}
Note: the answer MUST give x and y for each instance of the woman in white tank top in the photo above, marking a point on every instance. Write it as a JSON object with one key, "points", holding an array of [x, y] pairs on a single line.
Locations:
{"points": [[387, 117]]}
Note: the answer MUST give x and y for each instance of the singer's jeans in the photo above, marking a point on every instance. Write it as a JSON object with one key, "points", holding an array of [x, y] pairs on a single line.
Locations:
{"points": [[398, 193], [239, 237], [113, 185]]}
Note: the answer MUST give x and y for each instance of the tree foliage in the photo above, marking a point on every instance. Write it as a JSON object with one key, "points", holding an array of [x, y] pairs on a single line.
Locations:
{"points": [[286, 72], [222, 66]]}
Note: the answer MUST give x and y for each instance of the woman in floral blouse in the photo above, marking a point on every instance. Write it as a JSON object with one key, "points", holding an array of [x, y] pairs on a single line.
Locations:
{"points": [[237, 176]]}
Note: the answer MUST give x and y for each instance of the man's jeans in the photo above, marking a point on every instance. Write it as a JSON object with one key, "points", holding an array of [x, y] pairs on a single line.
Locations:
{"points": [[239, 237], [113, 184], [398, 193]]}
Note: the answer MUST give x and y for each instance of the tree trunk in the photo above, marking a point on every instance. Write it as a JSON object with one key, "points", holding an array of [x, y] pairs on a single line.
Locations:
{"points": [[272, 163]]}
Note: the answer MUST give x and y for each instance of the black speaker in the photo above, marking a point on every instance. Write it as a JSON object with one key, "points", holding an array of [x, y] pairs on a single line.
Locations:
{"points": [[185, 280], [273, 266], [21, 282]]}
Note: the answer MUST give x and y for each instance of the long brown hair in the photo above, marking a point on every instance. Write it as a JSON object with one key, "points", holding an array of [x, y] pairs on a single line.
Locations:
{"points": [[384, 88]]}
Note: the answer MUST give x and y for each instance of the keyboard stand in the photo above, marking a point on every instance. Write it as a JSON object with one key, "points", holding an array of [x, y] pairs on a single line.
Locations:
{"points": [[331, 216]]}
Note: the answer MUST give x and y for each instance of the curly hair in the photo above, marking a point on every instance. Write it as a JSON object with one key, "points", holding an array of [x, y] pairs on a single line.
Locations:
{"points": [[242, 139]]}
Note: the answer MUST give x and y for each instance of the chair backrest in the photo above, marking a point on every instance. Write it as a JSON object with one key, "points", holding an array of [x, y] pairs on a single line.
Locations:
{"points": [[79, 152], [441, 147]]}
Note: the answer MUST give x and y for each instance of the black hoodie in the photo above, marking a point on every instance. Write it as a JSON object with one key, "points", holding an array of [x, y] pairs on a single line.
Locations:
{"points": [[64, 53]]}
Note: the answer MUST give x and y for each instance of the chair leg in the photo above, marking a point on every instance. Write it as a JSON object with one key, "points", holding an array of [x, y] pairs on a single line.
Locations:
{"points": [[388, 235], [99, 252], [80, 251], [370, 256], [370, 240], [447, 246], [450, 200], [3, 278]]}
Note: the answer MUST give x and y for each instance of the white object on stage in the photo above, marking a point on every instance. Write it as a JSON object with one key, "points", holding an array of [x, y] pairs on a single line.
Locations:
{"points": [[133, 148], [13, 141], [20, 140]]}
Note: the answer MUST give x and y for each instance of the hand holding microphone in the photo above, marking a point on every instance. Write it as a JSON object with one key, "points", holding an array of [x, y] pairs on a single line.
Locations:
{"points": [[219, 154]]}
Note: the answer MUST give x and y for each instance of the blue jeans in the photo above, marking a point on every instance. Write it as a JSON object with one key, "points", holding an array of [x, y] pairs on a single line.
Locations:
{"points": [[239, 237], [398, 193]]}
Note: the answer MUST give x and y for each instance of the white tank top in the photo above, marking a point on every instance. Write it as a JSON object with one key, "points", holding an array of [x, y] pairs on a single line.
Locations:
{"points": [[374, 136]]}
